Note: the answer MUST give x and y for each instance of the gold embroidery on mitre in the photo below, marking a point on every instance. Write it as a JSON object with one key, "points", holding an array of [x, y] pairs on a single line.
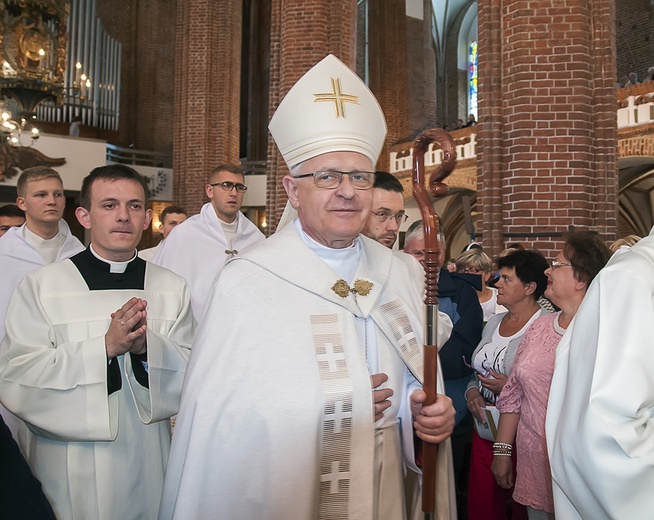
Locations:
{"points": [[337, 97], [362, 287]]}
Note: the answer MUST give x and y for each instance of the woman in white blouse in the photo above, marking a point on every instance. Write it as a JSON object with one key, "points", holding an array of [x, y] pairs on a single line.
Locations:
{"points": [[521, 282]]}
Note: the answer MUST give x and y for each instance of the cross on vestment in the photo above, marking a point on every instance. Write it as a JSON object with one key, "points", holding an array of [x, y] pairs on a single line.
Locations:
{"points": [[334, 477], [406, 337], [337, 97], [338, 416], [331, 357]]}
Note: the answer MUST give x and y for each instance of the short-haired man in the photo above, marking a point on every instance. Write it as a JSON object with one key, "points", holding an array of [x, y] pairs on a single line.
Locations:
{"points": [[304, 383], [43, 238], [96, 351], [458, 299], [198, 249], [387, 212], [171, 216], [10, 216]]}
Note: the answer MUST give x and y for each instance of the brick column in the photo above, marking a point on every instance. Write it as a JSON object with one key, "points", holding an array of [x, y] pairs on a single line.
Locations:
{"points": [[402, 71], [548, 138], [207, 93], [302, 33]]}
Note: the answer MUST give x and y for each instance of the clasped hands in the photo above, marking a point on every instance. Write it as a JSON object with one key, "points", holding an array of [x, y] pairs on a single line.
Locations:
{"points": [[127, 330], [433, 423]]}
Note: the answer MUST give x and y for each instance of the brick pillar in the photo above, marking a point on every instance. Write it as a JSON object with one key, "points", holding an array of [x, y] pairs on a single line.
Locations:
{"points": [[207, 93], [389, 69], [402, 70], [548, 138], [302, 33]]}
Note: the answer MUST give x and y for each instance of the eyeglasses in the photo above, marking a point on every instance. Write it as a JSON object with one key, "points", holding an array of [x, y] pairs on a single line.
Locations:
{"points": [[472, 270], [229, 186], [331, 179], [556, 264], [383, 216]]}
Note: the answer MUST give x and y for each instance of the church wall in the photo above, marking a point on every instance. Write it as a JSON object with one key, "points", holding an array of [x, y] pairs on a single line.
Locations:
{"points": [[206, 118], [635, 40], [421, 73], [547, 138], [146, 30], [389, 72]]}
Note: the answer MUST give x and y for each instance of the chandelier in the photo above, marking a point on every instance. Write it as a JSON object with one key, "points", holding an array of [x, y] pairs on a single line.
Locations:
{"points": [[13, 132], [32, 53]]}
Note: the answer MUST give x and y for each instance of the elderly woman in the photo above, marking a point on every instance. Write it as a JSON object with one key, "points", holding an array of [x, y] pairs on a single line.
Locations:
{"points": [[475, 261], [521, 282], [523, 401]]}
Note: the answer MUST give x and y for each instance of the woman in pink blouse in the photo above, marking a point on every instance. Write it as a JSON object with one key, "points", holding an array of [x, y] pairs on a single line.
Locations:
{"points": [[523, 400]]}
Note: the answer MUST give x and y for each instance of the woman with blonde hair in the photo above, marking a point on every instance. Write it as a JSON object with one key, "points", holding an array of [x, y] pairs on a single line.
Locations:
{"points": [[624, 243], [475, 261]]}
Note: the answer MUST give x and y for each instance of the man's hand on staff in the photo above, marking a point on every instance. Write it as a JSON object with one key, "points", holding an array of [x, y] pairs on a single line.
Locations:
{"points": [[435, 422], [381, 395], [127, 329]]}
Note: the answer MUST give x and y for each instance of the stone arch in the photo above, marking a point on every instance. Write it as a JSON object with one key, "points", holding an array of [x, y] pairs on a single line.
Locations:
{"points": [[636, 185]]}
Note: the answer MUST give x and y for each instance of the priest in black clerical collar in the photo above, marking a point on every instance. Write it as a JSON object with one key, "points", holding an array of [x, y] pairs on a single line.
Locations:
{"points": [[103, 342], [101, 274], [114, 210]]}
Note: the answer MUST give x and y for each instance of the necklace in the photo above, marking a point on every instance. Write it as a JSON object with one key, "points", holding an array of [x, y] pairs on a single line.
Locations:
{"points": [[557, 328]]}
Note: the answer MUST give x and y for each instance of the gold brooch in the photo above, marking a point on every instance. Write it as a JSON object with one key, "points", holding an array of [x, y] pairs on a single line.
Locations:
{"points": [[361, 287]]}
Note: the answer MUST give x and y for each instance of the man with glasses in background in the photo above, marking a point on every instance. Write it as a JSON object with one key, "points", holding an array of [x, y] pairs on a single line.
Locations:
{"points": [[387, 212], [199, 247]]}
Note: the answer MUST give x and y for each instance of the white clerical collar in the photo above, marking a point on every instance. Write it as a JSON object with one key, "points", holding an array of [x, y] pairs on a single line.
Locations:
{"points": [[344, 261], [48, 248], [39, 242], [229, 228], [114, 267]]}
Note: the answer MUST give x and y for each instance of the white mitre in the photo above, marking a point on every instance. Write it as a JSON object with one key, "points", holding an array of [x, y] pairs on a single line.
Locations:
{"points": [[329, 109]]}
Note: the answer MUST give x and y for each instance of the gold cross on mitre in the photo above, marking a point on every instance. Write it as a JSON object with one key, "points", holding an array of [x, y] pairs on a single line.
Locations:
{"points": [[337, 97]]}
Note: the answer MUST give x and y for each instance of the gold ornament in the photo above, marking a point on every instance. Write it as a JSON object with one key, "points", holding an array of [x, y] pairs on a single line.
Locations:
{"points": [[341, 288], [362, 287]]}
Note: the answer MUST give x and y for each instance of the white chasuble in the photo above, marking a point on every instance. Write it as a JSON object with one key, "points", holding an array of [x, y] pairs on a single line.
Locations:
{"points": [[100, 452], [198, 249], [18, 257], [600, 416], [276, 420]]}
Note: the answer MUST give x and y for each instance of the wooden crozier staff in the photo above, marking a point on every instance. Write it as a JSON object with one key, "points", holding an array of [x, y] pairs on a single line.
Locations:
{"points": [[432, 267]]}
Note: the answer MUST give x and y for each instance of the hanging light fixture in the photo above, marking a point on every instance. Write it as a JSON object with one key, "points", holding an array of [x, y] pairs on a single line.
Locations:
{"points": [[13, 131]]}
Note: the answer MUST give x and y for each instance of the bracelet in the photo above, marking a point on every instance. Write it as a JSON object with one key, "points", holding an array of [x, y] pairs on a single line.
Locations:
{"points": [[501, 454], [502, 445]]}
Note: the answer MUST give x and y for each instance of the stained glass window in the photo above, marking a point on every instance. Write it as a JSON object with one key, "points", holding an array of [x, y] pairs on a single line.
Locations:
{"points": [[472, 79]]}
